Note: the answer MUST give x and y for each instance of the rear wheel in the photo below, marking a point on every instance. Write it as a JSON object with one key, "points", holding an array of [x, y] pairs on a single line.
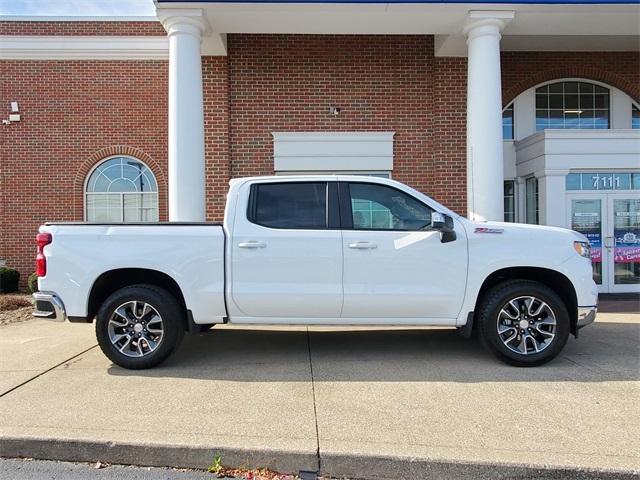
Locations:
{"points": [[524, 323], [139, 326]]}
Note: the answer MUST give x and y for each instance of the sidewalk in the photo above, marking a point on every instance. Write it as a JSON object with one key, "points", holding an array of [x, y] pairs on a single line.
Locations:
{"points": [[387, 403]]}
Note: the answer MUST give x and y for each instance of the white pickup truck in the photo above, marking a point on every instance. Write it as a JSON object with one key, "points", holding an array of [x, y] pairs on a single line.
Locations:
{"points": [[318, 250]]}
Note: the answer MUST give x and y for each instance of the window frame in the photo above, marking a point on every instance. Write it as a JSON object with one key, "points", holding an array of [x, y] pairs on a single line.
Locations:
{"points": [[331, 198], [512, 108], [346, 212], [564, 81], [85, 193], [514, 197], [635, 108], [536, 210]]}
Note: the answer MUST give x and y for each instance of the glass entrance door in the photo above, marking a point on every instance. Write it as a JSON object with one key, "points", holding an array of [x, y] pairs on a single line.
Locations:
{"points": [[623, 242], [611, 222], [586, 218]]}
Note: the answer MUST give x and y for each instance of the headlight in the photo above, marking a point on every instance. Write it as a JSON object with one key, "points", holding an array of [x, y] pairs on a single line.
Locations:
{"points": [[583, 249]]}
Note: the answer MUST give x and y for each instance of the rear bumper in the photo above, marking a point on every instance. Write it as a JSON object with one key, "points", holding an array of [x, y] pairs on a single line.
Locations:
{"points": [[49, 306], [586, 315]]}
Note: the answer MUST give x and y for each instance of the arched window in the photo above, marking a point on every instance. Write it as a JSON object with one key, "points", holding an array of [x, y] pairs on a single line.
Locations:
{"points": [[121, 189], [572, 104]]}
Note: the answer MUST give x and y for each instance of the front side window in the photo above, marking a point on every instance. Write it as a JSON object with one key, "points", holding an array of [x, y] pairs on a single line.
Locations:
{"points": [[121, 189], [379, 207], [572, 104], [531, 200], [635, 117], [290, 205]]}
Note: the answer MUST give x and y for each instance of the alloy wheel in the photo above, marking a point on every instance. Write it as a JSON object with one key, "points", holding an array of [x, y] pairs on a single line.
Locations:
{"points": [[526, 325], [135, 329]]}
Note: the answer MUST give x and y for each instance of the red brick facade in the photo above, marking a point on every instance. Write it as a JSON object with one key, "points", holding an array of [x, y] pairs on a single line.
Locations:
{"points": [[76, 113], [135, 29]]}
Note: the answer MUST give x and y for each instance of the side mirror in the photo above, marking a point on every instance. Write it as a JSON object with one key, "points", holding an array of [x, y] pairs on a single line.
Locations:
{"points": [[444, 224]]}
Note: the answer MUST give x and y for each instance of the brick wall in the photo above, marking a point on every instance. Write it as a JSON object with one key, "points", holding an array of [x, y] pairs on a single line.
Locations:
{"points": [[82, 28], [523, 70], [288, 83], [216, 134], [74, 113]]}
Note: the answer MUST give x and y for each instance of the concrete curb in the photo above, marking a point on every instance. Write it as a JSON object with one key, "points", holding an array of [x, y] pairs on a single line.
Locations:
{"points": [[395, 467], [331, 464], [153, 455]]}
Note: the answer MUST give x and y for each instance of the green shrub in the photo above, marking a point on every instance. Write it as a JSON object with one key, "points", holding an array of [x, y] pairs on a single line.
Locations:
{"points": [[32, 282], [9, 279]]}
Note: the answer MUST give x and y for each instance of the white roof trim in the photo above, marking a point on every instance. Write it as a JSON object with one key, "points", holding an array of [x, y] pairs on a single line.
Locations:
{"points": [[41, 47], [79, 18]]}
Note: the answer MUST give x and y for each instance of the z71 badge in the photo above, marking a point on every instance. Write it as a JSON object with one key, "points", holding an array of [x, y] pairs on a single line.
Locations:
{"points": [[488, 230]]}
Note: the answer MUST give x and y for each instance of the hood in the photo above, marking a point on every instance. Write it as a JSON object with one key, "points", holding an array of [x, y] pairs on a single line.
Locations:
{"points": [[525, 229]]}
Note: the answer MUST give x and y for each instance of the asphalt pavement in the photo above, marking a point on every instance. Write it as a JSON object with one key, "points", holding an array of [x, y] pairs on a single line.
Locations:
{"points": [[357, 403], [16, 469]]}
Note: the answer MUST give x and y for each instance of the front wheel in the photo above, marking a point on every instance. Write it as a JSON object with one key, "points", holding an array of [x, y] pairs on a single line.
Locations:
{"points": [[139, 326], [524, 323]]}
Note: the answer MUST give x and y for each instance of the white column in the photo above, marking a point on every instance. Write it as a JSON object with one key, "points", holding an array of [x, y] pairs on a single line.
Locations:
{"points": [[186, 118], [552, 198], [485, 190]]}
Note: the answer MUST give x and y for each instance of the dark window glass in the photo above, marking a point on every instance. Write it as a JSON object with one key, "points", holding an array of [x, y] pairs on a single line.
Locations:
{"points": [[571, 87], [507, 123], [378, 207], [531, 200], [291, 205], [572, 105], [509, 201], [635, 117]]}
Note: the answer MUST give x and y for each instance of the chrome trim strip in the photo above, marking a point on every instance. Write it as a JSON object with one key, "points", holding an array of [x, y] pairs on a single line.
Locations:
{"points": [[58, 314], [586, 315]]}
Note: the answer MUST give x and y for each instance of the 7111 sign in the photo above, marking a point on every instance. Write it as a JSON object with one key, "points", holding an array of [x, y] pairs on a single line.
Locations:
{"points": [[605, 182]]}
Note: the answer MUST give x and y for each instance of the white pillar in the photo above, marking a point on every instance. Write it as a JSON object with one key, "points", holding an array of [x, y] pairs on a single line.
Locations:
{"points": [[485, 189], [552, 198], [186, 118]]}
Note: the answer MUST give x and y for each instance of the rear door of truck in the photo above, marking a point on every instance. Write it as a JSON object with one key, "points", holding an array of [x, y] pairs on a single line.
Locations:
{"points": [[286, 252]]}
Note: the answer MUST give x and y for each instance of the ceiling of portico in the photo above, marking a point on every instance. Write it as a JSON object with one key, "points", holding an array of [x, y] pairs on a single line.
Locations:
{"points": [[546, 27]]}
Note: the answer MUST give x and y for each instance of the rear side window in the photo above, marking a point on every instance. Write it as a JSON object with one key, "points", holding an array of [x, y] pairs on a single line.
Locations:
{"points": [[289, 205]]}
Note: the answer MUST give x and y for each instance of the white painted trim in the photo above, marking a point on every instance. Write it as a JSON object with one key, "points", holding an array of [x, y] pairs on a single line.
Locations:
{"points": [[333, 151], [41, 47], [79, 18]]}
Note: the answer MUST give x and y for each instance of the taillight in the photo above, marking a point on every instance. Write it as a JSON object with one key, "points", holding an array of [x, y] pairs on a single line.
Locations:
{"points": [[42, 239]]}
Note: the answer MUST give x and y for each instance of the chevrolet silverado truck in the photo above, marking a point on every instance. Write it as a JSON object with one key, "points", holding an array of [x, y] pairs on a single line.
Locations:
{"points": [[318, 250]]}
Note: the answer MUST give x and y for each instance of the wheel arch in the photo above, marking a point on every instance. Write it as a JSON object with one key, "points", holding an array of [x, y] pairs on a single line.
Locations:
{"points": [[113, 280], [553, 279]]}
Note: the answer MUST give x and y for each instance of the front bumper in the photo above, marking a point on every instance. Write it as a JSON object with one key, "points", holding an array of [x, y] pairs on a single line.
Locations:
{"points": [[49, 306], [586, 315]]}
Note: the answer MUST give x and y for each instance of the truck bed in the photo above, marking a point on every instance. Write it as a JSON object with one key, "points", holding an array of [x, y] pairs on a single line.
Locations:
{"points": [[191, 254]]}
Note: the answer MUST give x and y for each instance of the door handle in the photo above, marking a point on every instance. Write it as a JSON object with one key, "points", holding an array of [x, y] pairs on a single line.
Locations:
{"points": [[608, 242], [252, 244], [363, 245]]}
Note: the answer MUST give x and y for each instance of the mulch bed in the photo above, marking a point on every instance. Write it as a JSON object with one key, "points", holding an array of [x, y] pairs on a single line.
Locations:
{"points": [[15, 308]]}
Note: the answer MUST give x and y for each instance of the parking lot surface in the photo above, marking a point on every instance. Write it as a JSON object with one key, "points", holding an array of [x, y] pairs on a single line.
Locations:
{"points": [[353, 402]]}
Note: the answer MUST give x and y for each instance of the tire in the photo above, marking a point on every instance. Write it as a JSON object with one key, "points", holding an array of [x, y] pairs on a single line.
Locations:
{"points": [[140, 326], [545, 333]]}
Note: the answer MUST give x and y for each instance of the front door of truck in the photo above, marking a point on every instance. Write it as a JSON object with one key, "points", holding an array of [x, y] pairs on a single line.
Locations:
{"points": [[394, 266], [286, 253]]}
